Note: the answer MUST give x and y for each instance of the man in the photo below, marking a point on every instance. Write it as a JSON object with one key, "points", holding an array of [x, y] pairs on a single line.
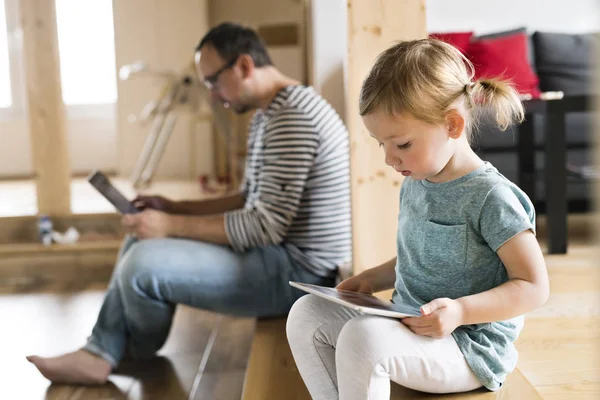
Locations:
{"points": [[235, 255]]}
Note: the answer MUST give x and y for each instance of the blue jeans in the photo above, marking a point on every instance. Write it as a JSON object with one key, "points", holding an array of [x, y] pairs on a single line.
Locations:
{"points": [[153, 276]]}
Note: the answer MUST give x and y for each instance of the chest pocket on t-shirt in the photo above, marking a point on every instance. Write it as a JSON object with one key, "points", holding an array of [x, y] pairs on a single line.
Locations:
{"points": [[444, 245]]}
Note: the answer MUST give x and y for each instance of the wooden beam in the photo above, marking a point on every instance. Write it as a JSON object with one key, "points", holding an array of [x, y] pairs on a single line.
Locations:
{"points": [[374, 26], [46, 112]]}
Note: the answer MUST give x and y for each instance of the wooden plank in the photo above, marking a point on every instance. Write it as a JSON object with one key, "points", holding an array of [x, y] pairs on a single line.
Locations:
{"points": [[24, 229], [67, 392], [559, 355], [375, 187], [173, 374], [38, 248], [515, 387], [45, 105], [28, 272], [272, 372], [165, 377], [279, 34], [222, 378]]}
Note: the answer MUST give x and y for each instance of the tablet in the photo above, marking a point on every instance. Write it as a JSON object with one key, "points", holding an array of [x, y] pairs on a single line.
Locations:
{"points": [[361, 302], [98, 180]]}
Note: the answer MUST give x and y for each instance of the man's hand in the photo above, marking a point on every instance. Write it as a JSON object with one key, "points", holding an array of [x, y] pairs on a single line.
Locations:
{"points": [[154, 202], [440, 317], [356, 284], [149, 224]]}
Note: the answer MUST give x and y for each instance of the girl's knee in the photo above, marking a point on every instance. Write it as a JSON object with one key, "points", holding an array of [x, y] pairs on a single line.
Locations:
{"points": [[301, 313], [361, 336]]}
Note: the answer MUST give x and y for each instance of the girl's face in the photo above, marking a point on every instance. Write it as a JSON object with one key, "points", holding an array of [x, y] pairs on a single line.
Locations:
{"points": [[413, 147]]}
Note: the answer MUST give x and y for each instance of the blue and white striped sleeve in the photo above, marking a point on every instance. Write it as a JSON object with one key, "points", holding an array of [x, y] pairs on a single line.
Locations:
{"points": [[289, 151]]}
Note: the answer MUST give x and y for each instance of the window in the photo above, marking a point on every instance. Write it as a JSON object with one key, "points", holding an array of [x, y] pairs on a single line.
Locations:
{"points": [[86, 47], [5, 87]]}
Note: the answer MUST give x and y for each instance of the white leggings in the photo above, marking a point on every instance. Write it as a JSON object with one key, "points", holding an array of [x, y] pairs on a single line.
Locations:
{"points": [[341, 354]]}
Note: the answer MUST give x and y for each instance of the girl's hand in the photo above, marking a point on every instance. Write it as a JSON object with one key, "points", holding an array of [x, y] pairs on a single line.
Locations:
{"points": [[356, 283], [439, 318]]}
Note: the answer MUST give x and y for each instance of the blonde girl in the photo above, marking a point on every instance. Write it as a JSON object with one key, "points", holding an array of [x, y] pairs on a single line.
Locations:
{"points": [[467, 257]]}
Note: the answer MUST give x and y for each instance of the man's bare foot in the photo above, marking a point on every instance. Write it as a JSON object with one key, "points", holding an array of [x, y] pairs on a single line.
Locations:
{"points": [[78, 367]]}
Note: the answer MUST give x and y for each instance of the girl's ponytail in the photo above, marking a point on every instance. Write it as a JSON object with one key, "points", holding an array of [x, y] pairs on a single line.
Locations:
{"points": [[497, 96]]}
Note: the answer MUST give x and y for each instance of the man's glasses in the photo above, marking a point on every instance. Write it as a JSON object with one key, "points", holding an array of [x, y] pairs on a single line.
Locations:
{"points": [[211, 81]]}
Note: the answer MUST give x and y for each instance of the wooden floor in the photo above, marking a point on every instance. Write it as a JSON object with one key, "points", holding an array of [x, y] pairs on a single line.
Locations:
{"points": [[206, 355], [560, 345], [204, 358]]}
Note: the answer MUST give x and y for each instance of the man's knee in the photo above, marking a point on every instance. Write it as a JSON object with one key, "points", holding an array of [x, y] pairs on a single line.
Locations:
{"points": [[143, 259]]}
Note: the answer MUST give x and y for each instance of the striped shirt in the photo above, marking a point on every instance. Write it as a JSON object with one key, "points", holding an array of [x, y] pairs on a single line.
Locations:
{"points": [[296, 183]]}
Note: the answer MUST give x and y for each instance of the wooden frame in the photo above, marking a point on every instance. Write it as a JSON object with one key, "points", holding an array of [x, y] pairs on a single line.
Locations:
{"points": [[46, 109], [375, 189]]}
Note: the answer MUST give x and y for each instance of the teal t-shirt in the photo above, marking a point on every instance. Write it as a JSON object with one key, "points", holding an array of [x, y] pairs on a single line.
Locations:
{"points": [[448, 235]]}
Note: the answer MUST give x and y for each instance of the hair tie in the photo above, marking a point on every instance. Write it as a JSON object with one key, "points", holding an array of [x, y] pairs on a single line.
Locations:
{"points": [[469, 87]]}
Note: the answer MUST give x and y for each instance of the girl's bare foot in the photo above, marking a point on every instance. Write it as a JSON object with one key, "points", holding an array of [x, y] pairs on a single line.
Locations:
{"points": [[78, 367]]}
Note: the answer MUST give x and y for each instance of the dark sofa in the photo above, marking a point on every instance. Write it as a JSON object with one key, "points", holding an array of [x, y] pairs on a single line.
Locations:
{"points": [[563, 62]]}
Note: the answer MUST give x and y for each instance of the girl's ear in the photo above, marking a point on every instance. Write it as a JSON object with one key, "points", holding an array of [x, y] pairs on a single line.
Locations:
{"points": [[455, 124]]}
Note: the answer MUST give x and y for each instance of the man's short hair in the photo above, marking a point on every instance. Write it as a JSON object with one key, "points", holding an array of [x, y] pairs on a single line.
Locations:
{"points": [[231, 40]]}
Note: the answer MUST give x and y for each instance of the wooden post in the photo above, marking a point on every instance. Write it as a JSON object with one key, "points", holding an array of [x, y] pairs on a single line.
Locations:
{"points": [[374, 26], [46, 109]]}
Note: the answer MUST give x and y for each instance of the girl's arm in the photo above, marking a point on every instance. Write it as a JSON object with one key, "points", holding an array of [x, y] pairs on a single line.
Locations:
{"points": [[373, 279], [526, 289]]}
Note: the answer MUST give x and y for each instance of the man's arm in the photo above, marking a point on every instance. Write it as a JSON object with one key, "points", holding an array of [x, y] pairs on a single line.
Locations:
{"points": [[200, 220], [209, 206], [209, 228], [280, 186]]}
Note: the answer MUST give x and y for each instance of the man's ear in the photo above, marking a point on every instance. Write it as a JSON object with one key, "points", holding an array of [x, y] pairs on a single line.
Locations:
{"points": [[455, 124], [246, 64]]}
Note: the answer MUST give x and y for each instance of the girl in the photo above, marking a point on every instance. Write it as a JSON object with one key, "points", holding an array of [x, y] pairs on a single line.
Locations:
{"points": [[467, 256]]}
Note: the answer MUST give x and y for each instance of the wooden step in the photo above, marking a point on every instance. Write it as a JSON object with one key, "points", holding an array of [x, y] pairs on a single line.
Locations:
{"points": [[515, 387], [24, 229], [34, 267], [272, 373], [27, 265]]}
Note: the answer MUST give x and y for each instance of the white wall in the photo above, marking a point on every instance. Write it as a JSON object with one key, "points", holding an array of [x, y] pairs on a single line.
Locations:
{"points": [[91, 130], [328, 50], [485, 16], [254, 13], [163, 33]]}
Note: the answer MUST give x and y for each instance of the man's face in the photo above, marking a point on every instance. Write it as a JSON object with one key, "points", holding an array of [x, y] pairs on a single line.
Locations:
{"points": [[224, 78]]}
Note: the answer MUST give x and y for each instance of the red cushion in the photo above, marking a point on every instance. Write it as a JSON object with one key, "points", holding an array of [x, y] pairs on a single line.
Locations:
{"points": [[505, 57], [460, 40]]}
